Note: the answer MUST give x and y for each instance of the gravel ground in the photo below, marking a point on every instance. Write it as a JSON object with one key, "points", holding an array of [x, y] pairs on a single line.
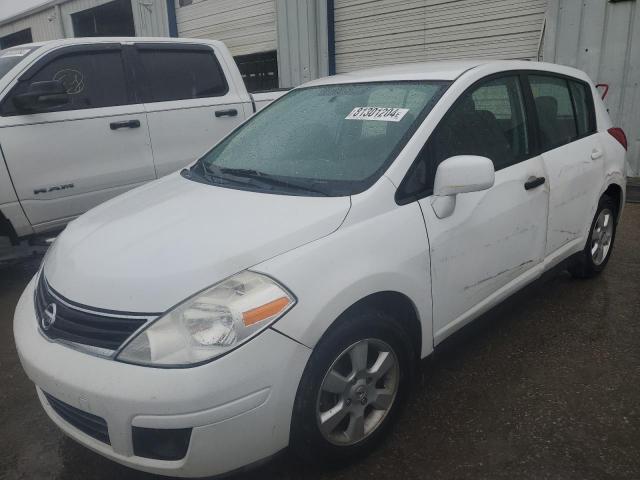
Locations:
{"points": [[545, 386]]}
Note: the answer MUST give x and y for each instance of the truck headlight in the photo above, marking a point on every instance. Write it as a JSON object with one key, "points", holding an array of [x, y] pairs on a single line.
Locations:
{"points": [[211, 323]]}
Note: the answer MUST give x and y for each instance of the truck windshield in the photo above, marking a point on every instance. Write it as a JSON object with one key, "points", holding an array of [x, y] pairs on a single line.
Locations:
{"points": [[331, 140], [10, 57]]}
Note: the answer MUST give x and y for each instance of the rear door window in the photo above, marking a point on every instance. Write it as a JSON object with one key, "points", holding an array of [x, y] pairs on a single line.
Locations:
{"points": [[556, 115], [180, 74]]}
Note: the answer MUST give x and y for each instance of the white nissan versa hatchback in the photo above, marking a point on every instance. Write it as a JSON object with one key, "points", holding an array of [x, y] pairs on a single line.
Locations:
{"points": [[279, 291]]}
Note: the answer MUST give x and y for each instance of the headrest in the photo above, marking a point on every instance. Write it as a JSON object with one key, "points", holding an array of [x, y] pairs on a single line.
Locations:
{"points": [[467, 105]]}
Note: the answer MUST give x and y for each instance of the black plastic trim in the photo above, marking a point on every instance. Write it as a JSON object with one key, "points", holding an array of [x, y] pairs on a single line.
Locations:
{"points": [[160, 443], [92, 425]]}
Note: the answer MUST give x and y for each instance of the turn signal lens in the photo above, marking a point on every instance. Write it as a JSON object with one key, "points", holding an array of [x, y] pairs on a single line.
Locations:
{"points": [[264, 312]]}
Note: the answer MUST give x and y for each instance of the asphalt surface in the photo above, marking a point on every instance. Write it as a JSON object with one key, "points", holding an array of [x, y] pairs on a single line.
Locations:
{"points": [[545, 386]]}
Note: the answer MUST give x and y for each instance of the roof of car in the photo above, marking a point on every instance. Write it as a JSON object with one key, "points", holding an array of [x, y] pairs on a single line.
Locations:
{"points": [[439, 70], [89, 40]]}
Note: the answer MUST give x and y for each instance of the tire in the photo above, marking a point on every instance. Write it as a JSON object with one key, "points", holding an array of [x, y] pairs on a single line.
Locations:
{"points": [[385, 339], [602, 234]]}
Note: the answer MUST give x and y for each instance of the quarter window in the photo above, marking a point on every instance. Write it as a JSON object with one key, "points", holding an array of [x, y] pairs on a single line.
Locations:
{"points": [[92, 79], [488, 121], [584, 115], [556, 116], [181, 74]]}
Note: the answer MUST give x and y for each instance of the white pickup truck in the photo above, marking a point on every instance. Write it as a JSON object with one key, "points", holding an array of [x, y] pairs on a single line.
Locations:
{"points": [[83, 120]]}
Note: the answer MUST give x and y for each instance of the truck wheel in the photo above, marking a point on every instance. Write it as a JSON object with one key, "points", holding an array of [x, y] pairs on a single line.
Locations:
{"points": [[352, 388], [597, 251]]}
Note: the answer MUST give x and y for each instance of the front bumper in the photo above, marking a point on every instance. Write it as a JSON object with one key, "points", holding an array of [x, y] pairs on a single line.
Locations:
{"points": [[239, 405]]}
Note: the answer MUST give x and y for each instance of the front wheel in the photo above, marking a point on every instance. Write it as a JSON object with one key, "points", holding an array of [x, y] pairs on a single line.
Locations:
{"points": [[597, 251], [352, 388]]}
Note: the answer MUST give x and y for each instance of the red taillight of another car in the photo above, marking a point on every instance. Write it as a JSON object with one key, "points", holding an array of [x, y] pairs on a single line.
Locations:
{"points": [[619, 135]]}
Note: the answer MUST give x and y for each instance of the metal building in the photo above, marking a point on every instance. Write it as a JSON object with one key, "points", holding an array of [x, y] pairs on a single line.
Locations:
{"points": [[603, 39], [77, 18], [283, 43]]}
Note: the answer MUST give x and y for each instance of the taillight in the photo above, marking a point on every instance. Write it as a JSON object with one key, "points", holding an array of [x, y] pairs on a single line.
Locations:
{"points": [[619, 135]]}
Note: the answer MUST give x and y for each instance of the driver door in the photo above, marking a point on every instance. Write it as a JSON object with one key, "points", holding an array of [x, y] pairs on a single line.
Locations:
{"points": [[66, 160], [494, 240]]}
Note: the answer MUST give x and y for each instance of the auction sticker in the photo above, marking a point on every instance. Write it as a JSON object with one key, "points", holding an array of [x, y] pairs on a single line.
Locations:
{"points": [[381, 114]]}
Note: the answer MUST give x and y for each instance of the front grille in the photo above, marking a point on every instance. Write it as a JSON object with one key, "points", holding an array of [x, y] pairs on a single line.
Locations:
{"points": [[92, 425], [78, 324]]}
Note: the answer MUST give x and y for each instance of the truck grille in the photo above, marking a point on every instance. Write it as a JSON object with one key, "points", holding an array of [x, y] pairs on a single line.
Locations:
{"points": [[83, 325], [92, 425]]}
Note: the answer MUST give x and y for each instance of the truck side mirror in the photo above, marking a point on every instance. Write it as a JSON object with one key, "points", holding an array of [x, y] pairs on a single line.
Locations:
{"points": [[41, 96], [460, 174]]}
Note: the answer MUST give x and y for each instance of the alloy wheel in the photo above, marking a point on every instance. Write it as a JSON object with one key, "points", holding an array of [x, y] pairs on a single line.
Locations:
{"points": [[601, 236], [357, 392]]}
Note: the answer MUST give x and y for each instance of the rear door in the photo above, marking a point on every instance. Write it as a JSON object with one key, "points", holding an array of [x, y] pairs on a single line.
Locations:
{"points": [[572, 154], [190, 104], [494, 240], [67, 160]]}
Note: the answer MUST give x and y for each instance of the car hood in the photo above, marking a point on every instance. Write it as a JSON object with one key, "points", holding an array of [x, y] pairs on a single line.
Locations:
{"points": [[155, 246]]}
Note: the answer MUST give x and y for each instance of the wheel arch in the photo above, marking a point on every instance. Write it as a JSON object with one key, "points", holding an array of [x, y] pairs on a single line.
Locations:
{"points": [[615, 192], [7, 230], [395, 304]]}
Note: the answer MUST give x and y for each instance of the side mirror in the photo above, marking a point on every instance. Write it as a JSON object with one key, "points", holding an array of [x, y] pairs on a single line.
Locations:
{"points": [[41, 97], [460, 174]]}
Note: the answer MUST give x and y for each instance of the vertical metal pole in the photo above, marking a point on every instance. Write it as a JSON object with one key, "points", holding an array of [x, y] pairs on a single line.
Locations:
{"points": [[331, 37]]}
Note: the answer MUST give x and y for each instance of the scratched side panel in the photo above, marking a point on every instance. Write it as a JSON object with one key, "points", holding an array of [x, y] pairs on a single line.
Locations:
{"points": [[492, 238], [575, 180]]}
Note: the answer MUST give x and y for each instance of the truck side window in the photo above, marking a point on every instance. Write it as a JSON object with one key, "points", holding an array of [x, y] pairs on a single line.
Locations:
{"points": [[181, 74], [488, 120], [92, 79]]}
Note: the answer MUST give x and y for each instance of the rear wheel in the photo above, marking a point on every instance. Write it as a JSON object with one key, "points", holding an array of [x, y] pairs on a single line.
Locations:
{"points": [[352, 388], [597, 251]]}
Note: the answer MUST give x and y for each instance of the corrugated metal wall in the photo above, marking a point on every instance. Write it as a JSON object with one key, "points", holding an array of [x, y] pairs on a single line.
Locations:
{"points": [[302, 41], [382, 32], [44, 25], [150, 19], [603, 39], [245, 26]]}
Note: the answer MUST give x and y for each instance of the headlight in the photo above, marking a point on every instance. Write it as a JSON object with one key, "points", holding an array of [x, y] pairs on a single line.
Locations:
{"points": [[210, 323]]}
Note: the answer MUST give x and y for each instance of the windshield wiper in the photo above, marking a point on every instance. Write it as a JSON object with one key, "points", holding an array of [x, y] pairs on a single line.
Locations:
{"points": [[207, 175], [270, 179]]}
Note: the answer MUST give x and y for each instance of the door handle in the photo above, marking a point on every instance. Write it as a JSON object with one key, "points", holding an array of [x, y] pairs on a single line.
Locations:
{"points": [[596, 153], [125, 124], [534, 182], [232, 112]]}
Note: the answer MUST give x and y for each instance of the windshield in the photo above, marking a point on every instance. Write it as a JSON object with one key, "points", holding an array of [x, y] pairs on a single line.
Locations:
{"points": [[10, 57], [329, 140]]}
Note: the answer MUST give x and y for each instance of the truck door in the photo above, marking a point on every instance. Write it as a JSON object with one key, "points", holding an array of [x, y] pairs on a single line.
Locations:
{"points": [[189, 102], [66, 159]]}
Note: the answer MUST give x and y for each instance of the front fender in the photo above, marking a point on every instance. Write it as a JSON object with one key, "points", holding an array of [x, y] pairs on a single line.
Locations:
{"points": [[384, 252]]}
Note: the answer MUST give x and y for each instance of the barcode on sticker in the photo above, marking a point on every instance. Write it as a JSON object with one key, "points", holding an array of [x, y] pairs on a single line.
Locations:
{"points": [[381, 114]]}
